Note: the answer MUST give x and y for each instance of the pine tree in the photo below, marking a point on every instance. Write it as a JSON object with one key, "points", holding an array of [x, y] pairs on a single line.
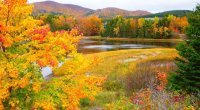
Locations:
{"points": [[187, 76]]}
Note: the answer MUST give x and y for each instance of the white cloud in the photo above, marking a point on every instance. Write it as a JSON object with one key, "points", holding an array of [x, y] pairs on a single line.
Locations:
{"points": [[149, 5]]}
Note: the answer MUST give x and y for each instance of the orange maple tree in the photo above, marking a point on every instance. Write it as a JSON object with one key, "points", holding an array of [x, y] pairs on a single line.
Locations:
{"points": [[26, 46], [178, 24], [90, 26]]}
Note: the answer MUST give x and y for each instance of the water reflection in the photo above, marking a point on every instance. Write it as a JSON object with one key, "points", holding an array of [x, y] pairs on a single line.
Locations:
{"points": [[46, 71], [94, 46]]}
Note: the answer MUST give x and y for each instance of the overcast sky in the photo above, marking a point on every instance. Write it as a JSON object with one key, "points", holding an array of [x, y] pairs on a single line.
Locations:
{"points": [[148, 5]]}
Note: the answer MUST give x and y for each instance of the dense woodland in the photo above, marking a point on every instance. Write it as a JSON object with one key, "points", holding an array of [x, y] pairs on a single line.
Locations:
{"points": [[88, 26], [159, 28]]}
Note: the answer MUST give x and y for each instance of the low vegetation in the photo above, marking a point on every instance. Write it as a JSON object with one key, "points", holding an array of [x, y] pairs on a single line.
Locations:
{"points": [[120, 66], [137, 79], [112, 61]]}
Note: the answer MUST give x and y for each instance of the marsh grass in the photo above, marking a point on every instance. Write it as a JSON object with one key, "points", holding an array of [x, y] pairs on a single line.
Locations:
{"points": [[145, 74], [151, 99], [103, 98], [128, 71], [113, 62]]}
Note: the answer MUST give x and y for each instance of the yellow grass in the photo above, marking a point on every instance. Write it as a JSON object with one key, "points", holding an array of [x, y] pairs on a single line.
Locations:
{"points": [[123, 61], [117, 65]]}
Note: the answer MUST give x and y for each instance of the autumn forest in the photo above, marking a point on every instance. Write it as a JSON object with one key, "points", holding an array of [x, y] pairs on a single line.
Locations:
{"points": [[73, 58]]}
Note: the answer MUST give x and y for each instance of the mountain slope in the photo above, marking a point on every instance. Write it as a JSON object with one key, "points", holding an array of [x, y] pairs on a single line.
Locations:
{"points": [[54, 7], [77, 11], [112, 12], [178, 13]]}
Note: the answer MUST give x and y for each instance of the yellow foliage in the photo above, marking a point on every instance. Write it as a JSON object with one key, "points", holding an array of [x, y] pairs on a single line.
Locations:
{"points": [[45, 105], [141, 22], [36, 87], [81, 83], [189, 108], [8, 41], [25, 47]]}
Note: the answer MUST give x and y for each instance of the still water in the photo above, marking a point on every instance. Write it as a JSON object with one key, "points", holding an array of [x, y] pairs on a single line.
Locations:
{"points": [[93, 46]]}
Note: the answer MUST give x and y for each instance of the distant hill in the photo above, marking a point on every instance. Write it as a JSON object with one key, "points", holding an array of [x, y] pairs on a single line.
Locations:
{"points": [[54, 7], [178, 13], [112, 12], [78, 11]]}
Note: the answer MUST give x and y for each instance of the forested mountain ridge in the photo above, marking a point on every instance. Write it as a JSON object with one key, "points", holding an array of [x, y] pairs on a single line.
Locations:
{"points": [[178, 13], [78, 11], [109, 12], [54, 7], [112, 12]]}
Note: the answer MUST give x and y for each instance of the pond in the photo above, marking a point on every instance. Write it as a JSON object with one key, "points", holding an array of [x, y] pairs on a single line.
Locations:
{"points": [[87, 45]]}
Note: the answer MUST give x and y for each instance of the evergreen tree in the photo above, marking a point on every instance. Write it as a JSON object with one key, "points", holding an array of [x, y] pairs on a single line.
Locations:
{"points": [[187, 77]]}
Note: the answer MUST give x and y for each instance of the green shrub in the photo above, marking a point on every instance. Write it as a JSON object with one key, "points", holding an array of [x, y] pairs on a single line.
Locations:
{"points": [[85, 102]]}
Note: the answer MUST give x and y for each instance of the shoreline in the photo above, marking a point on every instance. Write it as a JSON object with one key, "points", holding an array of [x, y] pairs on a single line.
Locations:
{"points": [[132, 39]]}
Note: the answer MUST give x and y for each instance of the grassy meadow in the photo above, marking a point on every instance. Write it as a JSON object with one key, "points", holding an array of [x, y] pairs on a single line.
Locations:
{"points": [[132, 72], [127, 71], [122, 61]]}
